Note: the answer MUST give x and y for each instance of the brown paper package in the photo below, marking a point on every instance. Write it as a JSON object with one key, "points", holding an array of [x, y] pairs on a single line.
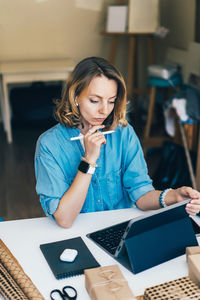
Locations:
{"points": [[192, 250], [107, 283], [193, 259], [194, 268], [182, 288], [15, 270]]}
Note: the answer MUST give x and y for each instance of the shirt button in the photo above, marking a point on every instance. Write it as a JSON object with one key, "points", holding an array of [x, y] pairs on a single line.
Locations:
{"points": [[98, 201], [95, 181]]}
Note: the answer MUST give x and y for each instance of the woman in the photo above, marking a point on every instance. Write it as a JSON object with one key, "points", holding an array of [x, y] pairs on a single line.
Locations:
{"points": [[98, 171]]}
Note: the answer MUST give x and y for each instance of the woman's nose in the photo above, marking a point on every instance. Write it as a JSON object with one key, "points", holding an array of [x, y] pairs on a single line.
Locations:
{"points": [[104, 108]]}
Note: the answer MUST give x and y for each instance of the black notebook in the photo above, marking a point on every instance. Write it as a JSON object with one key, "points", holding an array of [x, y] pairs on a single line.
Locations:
{"points": [[61, 269]]}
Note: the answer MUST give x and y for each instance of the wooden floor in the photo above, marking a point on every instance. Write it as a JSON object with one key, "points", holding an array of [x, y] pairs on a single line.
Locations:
{"points": [[18, 199]]}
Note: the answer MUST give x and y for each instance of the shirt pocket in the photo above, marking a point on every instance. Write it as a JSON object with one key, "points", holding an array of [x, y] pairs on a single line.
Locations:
{"points": [[115, 187]]}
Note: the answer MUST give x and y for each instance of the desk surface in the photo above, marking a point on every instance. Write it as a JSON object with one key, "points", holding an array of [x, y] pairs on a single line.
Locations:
{"points": [[39, 65], [128, 33], [23, 238]]}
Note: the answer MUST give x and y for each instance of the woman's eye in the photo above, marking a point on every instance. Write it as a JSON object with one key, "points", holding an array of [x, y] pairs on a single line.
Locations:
{"points": [[93, 101]]}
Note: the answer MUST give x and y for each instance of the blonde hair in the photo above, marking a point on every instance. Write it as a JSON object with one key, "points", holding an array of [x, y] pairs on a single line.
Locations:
{"points": [[67, 112]]}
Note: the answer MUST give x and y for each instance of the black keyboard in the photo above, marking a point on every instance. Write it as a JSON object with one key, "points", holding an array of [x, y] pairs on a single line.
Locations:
{"points": [[109, 238]]}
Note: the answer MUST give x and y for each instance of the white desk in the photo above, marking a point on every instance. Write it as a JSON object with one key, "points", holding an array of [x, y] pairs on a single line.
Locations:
{"points": [[28, 71], [23, 238]]}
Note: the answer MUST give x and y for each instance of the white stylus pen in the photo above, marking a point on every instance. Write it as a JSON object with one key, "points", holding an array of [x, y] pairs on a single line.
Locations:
{"points": [[80, 137]]}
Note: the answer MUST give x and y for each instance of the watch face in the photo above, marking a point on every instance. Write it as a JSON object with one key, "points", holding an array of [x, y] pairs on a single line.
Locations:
{"points": [[86, 168]]}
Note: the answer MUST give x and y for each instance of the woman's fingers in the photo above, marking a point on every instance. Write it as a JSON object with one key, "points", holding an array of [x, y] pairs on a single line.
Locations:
{"points": [[97, 138], [93, 142], [193, 207], [93, 129], [192, 211], [183, 193]]}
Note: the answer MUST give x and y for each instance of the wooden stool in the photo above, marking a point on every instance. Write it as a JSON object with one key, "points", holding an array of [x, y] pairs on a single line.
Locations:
{"points": [[191, 132], [175, 81]]}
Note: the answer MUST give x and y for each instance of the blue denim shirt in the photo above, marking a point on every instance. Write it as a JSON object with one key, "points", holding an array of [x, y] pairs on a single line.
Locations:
{"points": [[119, 180]]}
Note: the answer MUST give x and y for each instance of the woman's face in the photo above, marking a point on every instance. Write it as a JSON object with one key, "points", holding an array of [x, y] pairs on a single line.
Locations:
{"points": [[97, 101]]}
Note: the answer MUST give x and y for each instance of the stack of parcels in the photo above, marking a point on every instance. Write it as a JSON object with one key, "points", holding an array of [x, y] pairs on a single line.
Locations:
{"points": [[193, 259], [107, 283], [14, 283], [182, 288]]}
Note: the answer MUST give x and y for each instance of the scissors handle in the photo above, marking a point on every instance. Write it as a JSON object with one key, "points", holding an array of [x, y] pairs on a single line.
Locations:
{"points": [[67, 287], [56, 292]]}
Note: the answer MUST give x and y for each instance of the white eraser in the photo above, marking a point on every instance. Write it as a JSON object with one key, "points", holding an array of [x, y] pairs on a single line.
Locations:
{"points": [[68, 255]]}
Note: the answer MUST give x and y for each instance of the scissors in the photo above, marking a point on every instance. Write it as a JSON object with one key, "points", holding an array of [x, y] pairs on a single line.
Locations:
{"points": [[64, 294]]}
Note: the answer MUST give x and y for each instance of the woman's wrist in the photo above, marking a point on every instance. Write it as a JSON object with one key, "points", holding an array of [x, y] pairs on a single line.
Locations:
{"points": [[167, 197], [93, 164]]}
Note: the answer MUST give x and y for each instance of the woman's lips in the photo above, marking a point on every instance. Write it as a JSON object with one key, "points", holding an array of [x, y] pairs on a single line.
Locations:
{"points": [[99, 119]]}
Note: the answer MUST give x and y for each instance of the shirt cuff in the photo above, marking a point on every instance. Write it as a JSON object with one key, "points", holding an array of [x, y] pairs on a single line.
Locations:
{"points": [[139, 192], [49, 205]]}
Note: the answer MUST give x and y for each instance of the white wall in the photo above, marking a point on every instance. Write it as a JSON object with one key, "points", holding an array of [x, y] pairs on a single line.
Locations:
{"points": [[58, 28], [31, 29], [179, 17]]}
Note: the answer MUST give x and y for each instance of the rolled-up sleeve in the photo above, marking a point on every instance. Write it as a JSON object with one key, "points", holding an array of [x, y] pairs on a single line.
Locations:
{"points": [[51, 183], [136, 180]]}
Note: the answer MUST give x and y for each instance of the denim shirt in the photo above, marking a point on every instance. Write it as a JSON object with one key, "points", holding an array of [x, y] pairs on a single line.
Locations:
{"points": [[120, 178]]}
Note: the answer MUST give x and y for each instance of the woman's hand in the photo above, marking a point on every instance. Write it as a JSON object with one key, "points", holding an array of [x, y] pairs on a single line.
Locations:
{"points": [[184, 193], [93, 141]]}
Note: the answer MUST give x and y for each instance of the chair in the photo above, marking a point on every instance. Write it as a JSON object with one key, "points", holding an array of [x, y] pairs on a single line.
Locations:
{"points": [[174, 82]]}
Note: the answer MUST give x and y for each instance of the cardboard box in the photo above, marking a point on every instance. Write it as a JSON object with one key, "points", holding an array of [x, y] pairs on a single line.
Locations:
{"points": [[192, 250], [143, 16], [117, 18], [194, 268], [182, 288], [107, 283]]}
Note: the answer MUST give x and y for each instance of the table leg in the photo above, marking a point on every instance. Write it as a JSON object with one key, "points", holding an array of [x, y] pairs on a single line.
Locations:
{"points": [[151, 49], [198, 163], [131, 62], [150, 112], [2, 104], [6, 112], [113, 49]]}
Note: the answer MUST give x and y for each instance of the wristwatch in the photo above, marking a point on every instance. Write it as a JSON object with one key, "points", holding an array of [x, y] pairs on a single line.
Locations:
{"points": [[86, 168]]}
